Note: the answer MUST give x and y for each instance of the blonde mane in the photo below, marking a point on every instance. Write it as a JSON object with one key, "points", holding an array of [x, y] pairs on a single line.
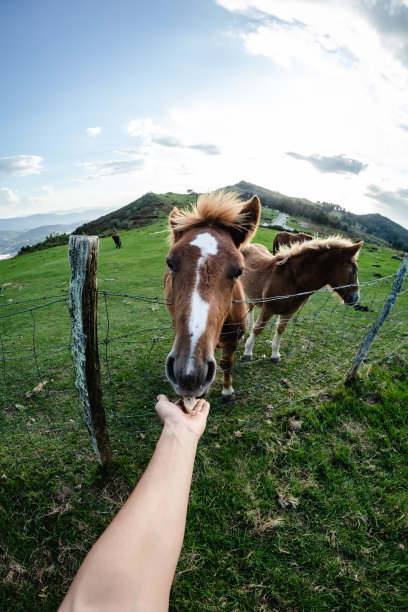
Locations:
{"points": [[222, 208], [317, 244]]}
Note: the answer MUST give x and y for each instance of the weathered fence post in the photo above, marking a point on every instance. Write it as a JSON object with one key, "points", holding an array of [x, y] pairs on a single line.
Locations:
{"points": [[83, 302], [371, 334]]}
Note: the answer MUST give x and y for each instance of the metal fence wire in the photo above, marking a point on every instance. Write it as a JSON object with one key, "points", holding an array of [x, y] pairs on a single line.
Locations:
{"points": [[41, 414]]}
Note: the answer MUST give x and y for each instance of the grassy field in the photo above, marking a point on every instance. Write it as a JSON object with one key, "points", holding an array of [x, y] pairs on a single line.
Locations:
{"points": [[299, 494]]}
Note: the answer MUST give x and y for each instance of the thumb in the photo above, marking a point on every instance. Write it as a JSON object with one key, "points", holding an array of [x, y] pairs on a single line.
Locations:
{"points": [[161, 396]]}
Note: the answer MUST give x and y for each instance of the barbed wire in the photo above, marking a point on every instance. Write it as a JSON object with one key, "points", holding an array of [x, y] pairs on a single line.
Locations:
{"points": [[12, 302], [48, 422]]}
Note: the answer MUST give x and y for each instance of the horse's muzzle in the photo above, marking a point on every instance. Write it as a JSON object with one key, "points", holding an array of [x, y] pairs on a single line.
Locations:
{"points": [[192, 381], [352, 298]]}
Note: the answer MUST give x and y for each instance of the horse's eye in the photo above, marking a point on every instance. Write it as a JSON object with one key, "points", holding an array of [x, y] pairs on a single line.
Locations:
{"points": [[170, 265], [236, 273]]}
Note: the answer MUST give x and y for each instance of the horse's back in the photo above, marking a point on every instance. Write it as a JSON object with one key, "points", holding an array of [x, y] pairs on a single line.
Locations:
{"points": [[280, 239], [286, 238], [255, 250], [265, 277], [262, 248]]}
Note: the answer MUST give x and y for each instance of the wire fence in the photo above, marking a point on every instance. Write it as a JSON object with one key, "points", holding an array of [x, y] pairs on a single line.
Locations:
{"points": [[41, 416]]}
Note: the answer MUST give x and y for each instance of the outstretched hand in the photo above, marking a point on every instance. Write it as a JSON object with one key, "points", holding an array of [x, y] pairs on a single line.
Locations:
{"points": [[172, 415]]}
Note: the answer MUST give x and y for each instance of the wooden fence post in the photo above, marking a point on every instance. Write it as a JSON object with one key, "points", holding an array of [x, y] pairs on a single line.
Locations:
{"points": [[83, 302], [371, 334]]}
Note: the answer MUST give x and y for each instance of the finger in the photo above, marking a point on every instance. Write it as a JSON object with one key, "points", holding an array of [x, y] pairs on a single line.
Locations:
{"points": [[199, 406], [162, 397], [205, 410], [202, 406]]}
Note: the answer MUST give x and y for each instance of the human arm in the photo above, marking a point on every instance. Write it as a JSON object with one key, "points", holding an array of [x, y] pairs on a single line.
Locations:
{"points": [[132, 564]]}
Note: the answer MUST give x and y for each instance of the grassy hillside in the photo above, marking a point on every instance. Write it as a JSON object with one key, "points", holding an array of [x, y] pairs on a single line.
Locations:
{"points": [[331, 217], [298, 498], [143, 211]]}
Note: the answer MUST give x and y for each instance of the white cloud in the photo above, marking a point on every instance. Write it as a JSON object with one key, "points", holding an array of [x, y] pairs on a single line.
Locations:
{"points": [[130, 151], [47, 189], [144, 129], [326, 38], [21, 165], [101, 169], [335, 163], [8, 197], [93, 132], [167, 141], [152, 133]]}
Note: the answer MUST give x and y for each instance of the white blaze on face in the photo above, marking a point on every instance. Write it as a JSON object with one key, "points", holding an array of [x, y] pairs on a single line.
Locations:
{"points": [[199, 308]]}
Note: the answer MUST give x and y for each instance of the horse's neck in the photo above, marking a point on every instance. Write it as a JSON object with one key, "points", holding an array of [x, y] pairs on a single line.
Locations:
{"points": [[309, 271]]}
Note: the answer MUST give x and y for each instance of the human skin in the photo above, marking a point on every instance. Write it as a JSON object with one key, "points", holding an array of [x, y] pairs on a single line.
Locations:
{"points": [[132, 565]]}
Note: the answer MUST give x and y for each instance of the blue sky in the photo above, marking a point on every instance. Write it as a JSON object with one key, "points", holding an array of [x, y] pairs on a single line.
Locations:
{"points": [[103, 101]]}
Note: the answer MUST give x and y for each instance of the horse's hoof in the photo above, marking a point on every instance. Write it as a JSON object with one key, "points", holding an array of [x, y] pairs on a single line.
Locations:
{"points": [[228, 398], [276, 359], [247, 357]]}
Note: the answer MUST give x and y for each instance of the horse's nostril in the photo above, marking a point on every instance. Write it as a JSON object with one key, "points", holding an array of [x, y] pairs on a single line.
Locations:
{"points": [[170, 369], [210, 372], [352, 298]]}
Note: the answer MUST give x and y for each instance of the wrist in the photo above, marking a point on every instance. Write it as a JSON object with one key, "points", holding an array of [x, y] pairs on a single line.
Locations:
{"points": [[184, 435]]}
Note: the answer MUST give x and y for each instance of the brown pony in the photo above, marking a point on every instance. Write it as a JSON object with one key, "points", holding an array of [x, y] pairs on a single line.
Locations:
{"points": [[297, 269], [201, 286], [283, 238]]}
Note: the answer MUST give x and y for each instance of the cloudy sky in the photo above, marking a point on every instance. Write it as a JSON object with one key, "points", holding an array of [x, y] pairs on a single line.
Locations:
{"points": [[102, 101]]}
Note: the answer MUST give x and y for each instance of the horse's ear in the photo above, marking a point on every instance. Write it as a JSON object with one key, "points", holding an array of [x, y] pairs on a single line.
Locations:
{"points": [[354, 249], [174, 217], [251, 213]]}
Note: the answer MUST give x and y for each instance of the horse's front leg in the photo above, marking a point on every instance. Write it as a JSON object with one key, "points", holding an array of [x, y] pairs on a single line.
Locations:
{"points": [[250, 317], [231, 335], [259, 326], [226, 363], [280, 328]]}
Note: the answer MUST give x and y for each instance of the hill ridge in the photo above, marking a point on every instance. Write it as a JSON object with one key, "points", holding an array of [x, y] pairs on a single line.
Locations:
{"points": [[152, 206]]}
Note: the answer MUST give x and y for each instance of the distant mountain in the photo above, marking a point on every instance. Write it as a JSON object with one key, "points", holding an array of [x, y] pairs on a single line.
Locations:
{"points": [[22, 224], [39, 233], [17, 232], [11, 242], [389, 230]]}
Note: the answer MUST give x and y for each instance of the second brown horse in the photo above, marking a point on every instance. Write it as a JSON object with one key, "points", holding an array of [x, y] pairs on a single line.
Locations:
{"points": [[296, 272]]}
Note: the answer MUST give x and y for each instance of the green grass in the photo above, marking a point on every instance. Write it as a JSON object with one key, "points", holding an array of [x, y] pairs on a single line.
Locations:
{"points": [[298, 500]]}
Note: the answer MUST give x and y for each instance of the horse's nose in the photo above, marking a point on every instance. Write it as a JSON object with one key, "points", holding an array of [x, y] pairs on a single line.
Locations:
{"points": [[193, 380], [352, 298]]}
